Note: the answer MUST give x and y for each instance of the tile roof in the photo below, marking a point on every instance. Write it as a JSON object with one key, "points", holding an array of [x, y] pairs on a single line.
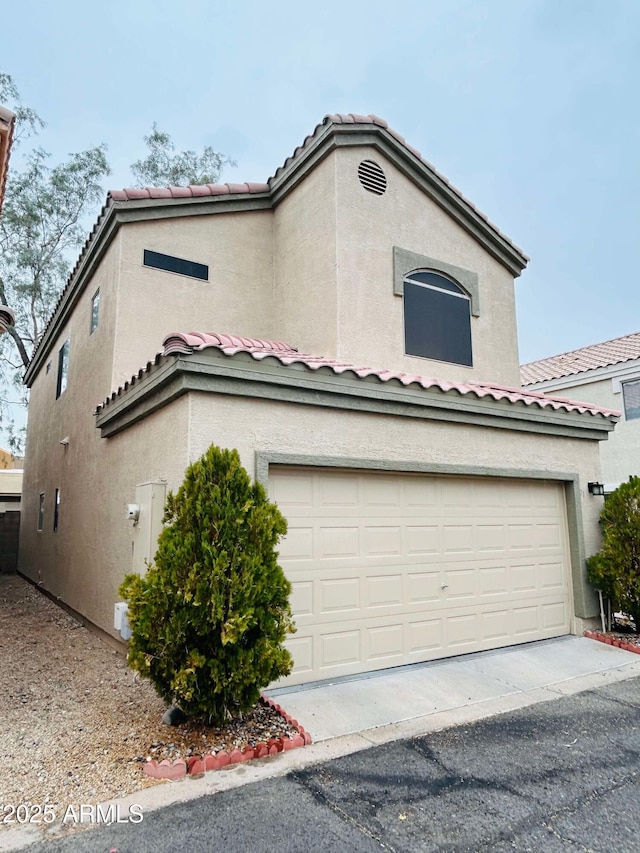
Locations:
{"points": [[132, 194], [604, 354], [181, 343]]}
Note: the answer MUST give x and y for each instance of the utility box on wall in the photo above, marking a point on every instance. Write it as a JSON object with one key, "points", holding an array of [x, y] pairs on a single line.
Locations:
{"points": [[150, 499]]}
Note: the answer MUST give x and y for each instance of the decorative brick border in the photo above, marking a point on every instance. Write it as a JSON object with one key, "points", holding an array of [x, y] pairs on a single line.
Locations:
{"points": [[197, 764], [613, 641]]}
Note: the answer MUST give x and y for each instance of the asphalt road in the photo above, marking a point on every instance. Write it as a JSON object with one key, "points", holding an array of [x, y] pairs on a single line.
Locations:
{"points": [[556, 777]]}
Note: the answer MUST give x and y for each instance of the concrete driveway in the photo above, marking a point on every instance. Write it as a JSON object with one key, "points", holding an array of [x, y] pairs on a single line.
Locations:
{"points": [[348, 718], [555, 777]]}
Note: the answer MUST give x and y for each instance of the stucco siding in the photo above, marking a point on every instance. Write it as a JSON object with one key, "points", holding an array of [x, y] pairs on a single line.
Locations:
{"points": [[305, 263], [370, 315], [237, 299], [60, 560]]}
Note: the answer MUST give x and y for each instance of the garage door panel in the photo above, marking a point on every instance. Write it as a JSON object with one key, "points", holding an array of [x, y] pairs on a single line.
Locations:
{"points": [[297, 544], [384, 590], [338, 542], [339, 595], [457, 539], [395, 568], [386, 643], [382, 540]]}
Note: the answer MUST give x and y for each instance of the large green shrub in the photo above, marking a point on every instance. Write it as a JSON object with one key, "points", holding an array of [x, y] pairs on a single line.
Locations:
{"points": [[615, 569], [209, 617]]}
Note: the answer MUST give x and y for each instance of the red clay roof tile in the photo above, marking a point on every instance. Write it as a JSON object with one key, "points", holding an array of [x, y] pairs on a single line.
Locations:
{"points": [[604, 354], [286, 354]]}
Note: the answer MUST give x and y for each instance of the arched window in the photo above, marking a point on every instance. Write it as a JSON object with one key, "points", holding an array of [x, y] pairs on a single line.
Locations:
{"points": [[437, 318]]}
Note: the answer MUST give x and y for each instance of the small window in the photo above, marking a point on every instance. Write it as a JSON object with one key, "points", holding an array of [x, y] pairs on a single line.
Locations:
{"points": [[95, 311], [63, 368], [631, 395], [437, 318], [56, 511], [178, 265], [41, 511]]}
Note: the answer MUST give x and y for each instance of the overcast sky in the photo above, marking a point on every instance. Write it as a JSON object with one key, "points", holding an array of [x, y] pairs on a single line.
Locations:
{"points": [[529, 106]]}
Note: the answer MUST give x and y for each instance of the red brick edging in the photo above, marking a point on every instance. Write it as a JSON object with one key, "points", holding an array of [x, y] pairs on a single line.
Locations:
{"points": [[180, 768], [613, 641]]}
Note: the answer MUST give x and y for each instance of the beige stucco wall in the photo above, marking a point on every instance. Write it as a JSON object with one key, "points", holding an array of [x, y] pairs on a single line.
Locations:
{"points": [[237, 299], [620, 454], [86, 560], [63, 561], [305, 263], [370, 316]]}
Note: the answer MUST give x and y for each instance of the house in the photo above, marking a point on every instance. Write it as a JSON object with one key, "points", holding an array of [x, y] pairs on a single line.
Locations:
{"points": [[349, 327], [608, 374]]}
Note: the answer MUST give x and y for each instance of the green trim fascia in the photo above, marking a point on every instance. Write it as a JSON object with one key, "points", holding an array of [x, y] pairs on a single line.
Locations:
{"points": [[405, 262], [584, 597], [585, 603], [241, 375]]}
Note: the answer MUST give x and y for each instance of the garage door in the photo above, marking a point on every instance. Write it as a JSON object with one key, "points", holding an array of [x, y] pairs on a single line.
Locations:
{"points": [[390, 569]]}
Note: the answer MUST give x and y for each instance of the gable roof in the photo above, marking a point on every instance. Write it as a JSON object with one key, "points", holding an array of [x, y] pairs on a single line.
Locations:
{"points": [[231, 346], [7, 124], [334, 131], [604, 354]]}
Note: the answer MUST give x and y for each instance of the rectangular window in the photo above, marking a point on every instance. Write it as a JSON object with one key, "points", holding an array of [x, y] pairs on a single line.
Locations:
{"points": [[95, 311], [56, 511], [178, 265], [631, 395], [41, 511], [63, 368]]}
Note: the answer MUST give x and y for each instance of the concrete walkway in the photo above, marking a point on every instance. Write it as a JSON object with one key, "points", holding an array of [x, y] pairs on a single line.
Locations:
{"points": [[490, 681]]}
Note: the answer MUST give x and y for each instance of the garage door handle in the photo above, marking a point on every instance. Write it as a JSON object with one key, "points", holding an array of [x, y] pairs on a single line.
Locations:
{"points": [[444, 586]]}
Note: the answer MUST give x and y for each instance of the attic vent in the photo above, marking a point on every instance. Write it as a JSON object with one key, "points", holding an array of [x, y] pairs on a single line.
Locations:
{"points": [[372, 177]]}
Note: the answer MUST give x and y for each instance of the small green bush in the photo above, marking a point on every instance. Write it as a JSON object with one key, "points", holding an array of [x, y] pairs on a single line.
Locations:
{"points": [[209, 617], [615, 569]]}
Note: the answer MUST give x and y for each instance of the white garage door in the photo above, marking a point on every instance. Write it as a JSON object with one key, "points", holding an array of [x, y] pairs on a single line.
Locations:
{"points": [[389, 569]]}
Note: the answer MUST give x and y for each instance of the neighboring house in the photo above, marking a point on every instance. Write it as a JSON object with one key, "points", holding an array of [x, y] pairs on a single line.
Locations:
{"points": [[7, 124], [607, 374], [10, 491], [434, 507]]}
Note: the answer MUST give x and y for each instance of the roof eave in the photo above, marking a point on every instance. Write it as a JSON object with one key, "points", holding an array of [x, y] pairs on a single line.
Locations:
{"points": [[169, 377]]}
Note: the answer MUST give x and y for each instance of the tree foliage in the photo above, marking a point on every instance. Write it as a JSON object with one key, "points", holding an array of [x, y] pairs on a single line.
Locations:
{"points": [[165, 167], [41, 229], [209, 617], [44, 224], [615, 569]]}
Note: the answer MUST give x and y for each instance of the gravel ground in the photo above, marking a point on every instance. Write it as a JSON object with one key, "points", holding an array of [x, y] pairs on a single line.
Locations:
{"points": [[76, 724]]}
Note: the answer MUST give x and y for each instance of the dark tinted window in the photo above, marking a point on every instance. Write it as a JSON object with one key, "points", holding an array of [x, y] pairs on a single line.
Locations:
{"points": [[437, 322], [178, 265]]}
